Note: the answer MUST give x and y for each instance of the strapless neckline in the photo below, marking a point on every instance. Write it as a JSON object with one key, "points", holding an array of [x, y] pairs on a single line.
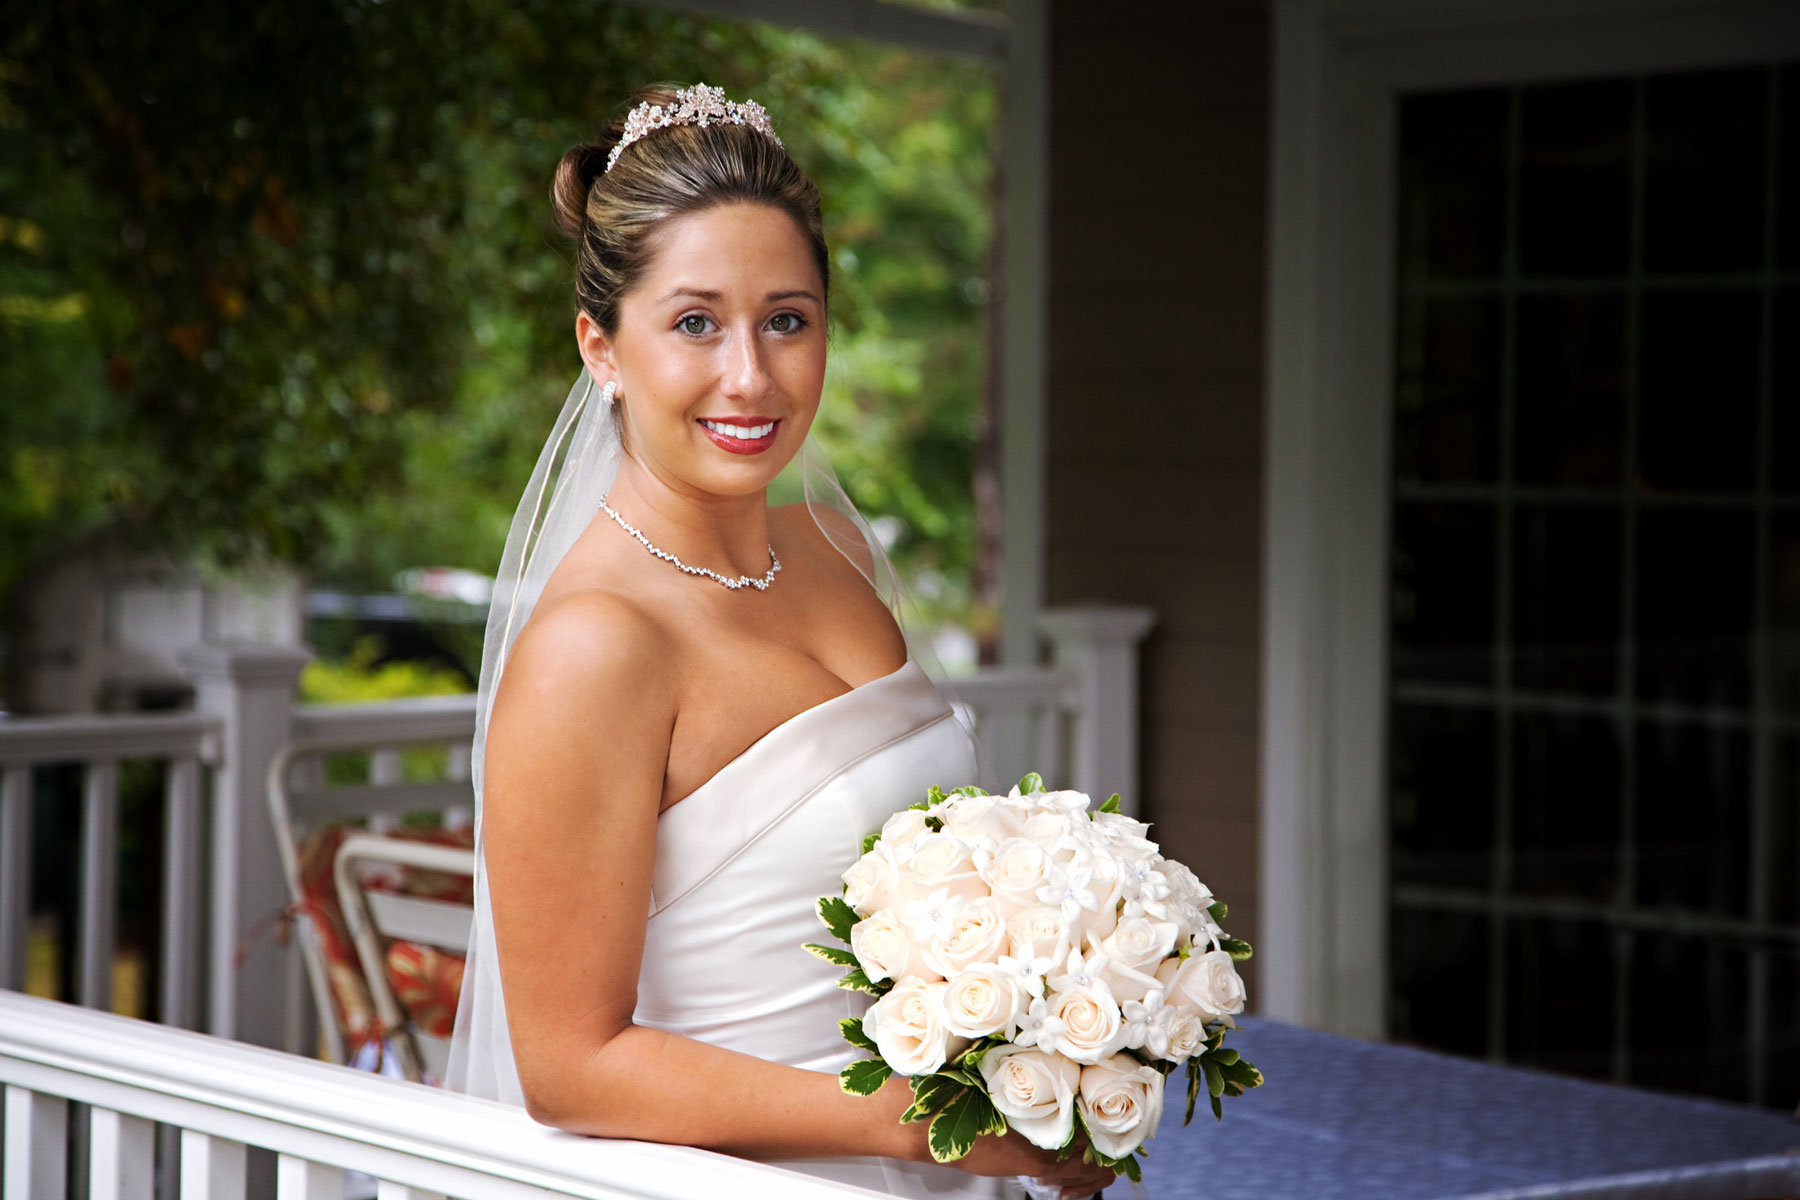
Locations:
{"points": [[908, 672]]}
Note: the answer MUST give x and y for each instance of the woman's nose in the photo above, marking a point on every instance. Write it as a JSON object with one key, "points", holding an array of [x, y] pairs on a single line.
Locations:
{"points": [[746, 373]]}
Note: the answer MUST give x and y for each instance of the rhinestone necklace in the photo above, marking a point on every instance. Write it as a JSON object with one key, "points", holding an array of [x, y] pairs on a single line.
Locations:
{"points": [[742, 581]]}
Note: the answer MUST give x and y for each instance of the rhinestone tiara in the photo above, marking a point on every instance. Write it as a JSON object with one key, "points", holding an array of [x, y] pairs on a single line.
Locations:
{"points": [[698, 105]]}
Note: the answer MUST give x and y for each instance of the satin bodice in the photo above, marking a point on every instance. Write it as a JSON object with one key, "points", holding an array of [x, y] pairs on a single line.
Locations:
{"points": [[740, 863]]}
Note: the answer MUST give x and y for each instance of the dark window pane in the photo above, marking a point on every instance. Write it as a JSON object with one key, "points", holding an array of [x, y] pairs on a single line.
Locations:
{"points": [[1698, 390], [1694, 1040], [1787, 218], [1706, 170], [1783, 450], [1447, 397], [1559, 995], [1567, 572], [1443, 593], [1565, 824], [1440, 978], [1693, 817], [1696, 575], [1452, 184], [1443, 795], [1575, 179], [1784, 612], [1783, 848], [1571, 391], [1782, 1089]]}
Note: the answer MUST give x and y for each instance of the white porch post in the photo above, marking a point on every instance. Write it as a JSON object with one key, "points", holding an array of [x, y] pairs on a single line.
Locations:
{"points": [[250, 689], [1099, 645]]}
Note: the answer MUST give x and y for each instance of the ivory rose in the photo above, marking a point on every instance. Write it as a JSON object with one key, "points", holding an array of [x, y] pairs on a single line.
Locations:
{"points": [[973, 932], [1038, 932], [1209, 982], [1017, 871], [1177, 1034], [908, 1028], [1034, 1091], [978, 819], [1087, 1023], [884, 950], [982, 1000], [940, 862], [904, 828], [1121, 1104], [1133, 952], [873, 881]]}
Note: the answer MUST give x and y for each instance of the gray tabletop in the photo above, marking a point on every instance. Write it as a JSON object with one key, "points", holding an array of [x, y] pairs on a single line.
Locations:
{"points": [[1343, 1118]]}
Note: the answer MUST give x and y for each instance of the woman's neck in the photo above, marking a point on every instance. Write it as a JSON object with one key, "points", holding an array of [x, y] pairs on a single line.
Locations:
{"points": [[729, 534]]}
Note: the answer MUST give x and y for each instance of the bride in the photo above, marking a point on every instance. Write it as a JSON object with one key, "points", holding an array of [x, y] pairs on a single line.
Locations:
{"points": [[693, 704]]}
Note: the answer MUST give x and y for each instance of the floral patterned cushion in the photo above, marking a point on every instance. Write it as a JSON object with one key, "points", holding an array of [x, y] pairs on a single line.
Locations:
{"points": [[424, 979]]}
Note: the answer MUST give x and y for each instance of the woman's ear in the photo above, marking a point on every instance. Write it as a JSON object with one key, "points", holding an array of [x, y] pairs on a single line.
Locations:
{"points": [[596, 350]]}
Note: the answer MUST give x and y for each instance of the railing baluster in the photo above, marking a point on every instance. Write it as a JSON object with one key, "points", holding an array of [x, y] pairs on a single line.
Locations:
{"points": [[458, 765], [298, 1179], [385, 766], [15, 874], [121, 1156], [37, 1132], [183, 873], [211, 1168], [399, 1191], [99, 884]]}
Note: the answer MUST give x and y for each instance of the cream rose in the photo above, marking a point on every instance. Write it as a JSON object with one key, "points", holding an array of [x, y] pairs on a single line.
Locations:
{"points": [[1121, 1104], [907, 1025], [1017, 871], [940, 862], [1087, 1023], [884, 950], [1139, 944], [904, 827], [873, 881], [1209, 982], [1178, 1034], [1034, 1091], [1055, 832], [978, 819], [1037, 932], [1107, 883], [972, 932], [982, 1000]]}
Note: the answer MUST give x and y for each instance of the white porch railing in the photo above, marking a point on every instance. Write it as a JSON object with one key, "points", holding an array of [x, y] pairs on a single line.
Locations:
{"points": [[320, 1120], [1075, 720]]}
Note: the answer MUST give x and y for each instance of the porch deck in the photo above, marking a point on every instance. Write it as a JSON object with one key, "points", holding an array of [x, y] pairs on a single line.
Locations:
{"points": [[1352, 1119]]}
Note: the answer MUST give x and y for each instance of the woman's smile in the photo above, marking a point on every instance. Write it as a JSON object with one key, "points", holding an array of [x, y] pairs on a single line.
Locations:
{"points": [[741, 435]]}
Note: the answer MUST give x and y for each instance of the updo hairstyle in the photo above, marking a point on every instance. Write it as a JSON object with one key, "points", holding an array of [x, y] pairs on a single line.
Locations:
{"points": [[669, 172]]}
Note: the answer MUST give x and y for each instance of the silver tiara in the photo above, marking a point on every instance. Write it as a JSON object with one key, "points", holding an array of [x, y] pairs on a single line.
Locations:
{"points": [[698, 105]]}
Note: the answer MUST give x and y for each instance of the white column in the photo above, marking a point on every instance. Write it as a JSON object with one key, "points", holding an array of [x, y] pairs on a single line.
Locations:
{"points": [[250, 688], [37, 1144], [211, 1168], [298, 1179], [121, 1156], [1098, 644], [15, 873], [99, 885]]}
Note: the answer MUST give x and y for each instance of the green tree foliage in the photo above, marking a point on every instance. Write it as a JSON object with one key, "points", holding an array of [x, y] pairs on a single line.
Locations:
{"points": [[279, 281]]}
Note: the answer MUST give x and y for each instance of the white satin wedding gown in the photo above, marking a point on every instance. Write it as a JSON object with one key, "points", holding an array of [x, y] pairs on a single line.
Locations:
{"points": [[740, 863]]}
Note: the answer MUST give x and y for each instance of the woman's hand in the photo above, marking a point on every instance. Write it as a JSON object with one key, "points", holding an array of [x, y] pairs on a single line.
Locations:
{"points": [[1003, 1157]]}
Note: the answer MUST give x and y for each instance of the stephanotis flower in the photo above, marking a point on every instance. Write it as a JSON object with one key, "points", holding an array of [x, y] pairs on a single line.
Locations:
{"points": [[1142, 1016], [1068, 888], [934, 916], [1028, 971]]}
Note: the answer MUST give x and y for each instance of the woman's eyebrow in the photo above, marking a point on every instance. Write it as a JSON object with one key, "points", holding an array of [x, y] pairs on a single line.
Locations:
{"points": [[704, 294]]}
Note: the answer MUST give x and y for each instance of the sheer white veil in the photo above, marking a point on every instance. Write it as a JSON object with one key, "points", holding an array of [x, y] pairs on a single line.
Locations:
{"points": [[575, 470]]}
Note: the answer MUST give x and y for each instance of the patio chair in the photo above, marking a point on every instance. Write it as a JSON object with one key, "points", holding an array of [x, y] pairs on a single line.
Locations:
{"points": [[312, 821], [401, 936]]}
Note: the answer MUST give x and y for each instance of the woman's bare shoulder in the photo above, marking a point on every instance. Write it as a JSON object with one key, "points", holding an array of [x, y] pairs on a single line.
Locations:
{"points": [[588, 646]]}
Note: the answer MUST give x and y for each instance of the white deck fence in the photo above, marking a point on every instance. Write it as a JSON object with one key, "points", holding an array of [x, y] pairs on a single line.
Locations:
{"points": [[222, 892]]}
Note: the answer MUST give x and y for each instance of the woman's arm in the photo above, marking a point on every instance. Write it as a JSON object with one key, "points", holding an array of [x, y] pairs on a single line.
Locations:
{"points": [[576, 751]]}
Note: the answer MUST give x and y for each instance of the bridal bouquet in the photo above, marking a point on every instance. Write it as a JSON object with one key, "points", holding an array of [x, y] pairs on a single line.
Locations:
{"points": [[1037, 967]]}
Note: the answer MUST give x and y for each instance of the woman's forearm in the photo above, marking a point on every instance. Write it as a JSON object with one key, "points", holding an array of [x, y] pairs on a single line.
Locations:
{"points": [[655, 1086]]}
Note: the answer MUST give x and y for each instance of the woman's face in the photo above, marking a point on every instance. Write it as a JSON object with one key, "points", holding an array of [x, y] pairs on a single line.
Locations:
{"points": [[720, 350]]}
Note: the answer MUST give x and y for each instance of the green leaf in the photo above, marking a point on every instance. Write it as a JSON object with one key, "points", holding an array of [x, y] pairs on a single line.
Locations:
{"points": [[1224, 1057], [1031, 783], [933, 797], [971, 1058], [1112, 804], [1236, 947], [837, 915], [1215, 1078], [856, 981], [870, 840], [865, 1076], [1193, 1088], [1218, 1110], [935, 824], [968, 789], [1219, 910], [1242, 1075], [833, 954], [1129, 1166], [930, 1094], [852, 1029], [955, 1128]]}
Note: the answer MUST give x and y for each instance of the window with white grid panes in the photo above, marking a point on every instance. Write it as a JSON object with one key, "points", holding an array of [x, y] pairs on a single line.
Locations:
{"points": [[1594, 748]]}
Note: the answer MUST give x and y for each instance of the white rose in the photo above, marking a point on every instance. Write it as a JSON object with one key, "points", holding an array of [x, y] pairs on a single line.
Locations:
{"points": [[1061, 801], [1108, 885], [1017, 871], [974, 932], [1038, 932], [1088, 1026], [1034, 1091], [884, 950], [904, 827], [873, 881], [1121, 1104], [1209, 982], [1179, 1035], [1124, 831], [1139, 944], [982, 1000], [979, 819], [907, 1025], [1055, 832], [940, 862]]}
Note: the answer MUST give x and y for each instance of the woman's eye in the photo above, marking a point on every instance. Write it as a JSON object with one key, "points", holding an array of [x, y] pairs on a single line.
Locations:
{"points": [[786, 322], [693, 324]]}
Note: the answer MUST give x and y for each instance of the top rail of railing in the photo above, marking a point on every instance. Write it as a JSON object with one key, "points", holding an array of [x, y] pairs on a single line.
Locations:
{"points": [[108, 737], [401, 1133]]}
